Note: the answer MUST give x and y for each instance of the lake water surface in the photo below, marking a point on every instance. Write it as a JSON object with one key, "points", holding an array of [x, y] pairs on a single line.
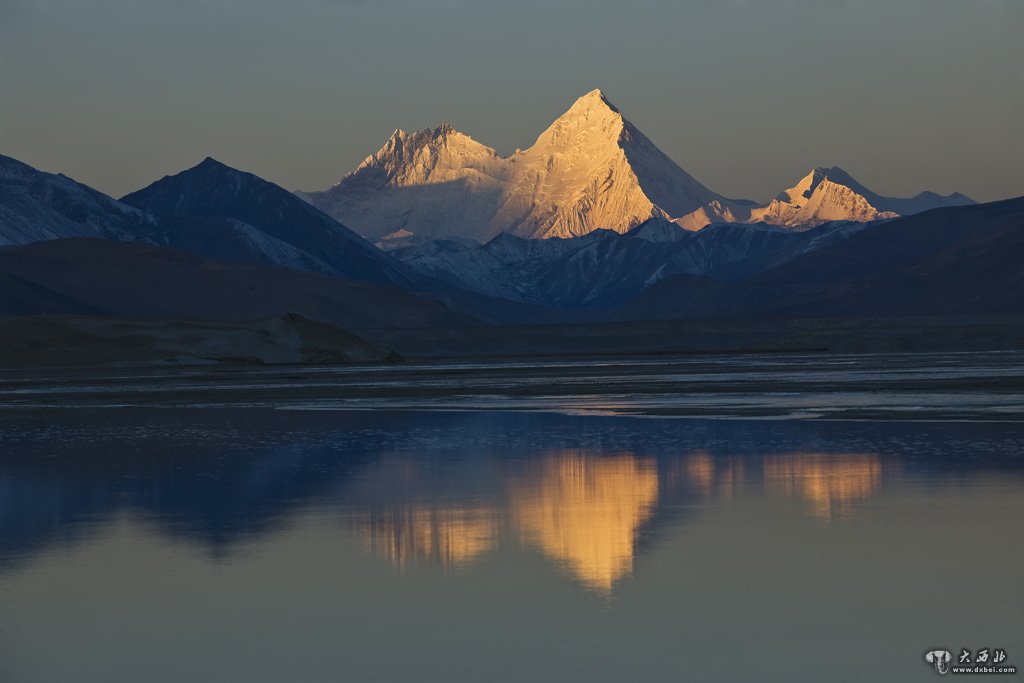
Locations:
{"points": [[258, 544]]}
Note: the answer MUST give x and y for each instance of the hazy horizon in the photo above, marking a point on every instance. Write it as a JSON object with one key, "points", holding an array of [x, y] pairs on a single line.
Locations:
{"points": [[745, 96]]}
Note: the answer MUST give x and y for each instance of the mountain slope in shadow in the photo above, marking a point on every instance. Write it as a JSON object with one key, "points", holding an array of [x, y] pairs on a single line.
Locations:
{"points": [[951, 261], [138, 279], [225, 213]]}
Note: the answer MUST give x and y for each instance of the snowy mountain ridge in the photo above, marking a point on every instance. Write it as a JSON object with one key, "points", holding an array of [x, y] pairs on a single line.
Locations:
{"points": [[590, 169]]}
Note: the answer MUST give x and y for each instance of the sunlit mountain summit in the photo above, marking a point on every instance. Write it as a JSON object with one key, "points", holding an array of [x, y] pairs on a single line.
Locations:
{"points": [[590, 169]]}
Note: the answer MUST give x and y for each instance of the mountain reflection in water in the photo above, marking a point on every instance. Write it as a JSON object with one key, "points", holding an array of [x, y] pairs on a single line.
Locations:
{"points": [[582, 510], [262, 546], [450, 535], [451, 489], [586, 512], [832, 485]]}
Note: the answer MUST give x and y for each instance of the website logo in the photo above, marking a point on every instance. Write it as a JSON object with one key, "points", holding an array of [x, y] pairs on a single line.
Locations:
{"points": [[940, 659], [982, 661]]}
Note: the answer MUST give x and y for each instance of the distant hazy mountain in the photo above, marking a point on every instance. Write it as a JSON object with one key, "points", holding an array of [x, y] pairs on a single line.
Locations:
{"points": [[134, 279], [36, 206], [604, 269], [224, 213], [956, 260], [590, 170]]}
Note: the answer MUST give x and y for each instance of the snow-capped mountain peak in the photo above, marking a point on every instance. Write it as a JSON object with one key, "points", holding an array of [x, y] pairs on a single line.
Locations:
{"points": [[591, 169], [802, 191], [587, 171], [419, 157], [831, 194], [593, 111], [595, 98]]}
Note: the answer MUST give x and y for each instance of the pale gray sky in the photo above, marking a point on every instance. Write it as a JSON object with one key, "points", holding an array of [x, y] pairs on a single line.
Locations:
{"points": [[747, 95]]}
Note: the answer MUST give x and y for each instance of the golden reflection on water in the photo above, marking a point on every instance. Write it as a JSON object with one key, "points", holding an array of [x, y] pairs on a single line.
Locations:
{"points": [[586, 512], [700, 471], [452, 536], [832, 485]]}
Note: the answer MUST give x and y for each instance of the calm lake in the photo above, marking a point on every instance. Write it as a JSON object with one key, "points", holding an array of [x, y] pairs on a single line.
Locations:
{"points": [[258, 544]]}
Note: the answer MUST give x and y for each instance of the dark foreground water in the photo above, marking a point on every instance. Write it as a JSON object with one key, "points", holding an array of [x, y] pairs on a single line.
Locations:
{"points": [[252, 544]]}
